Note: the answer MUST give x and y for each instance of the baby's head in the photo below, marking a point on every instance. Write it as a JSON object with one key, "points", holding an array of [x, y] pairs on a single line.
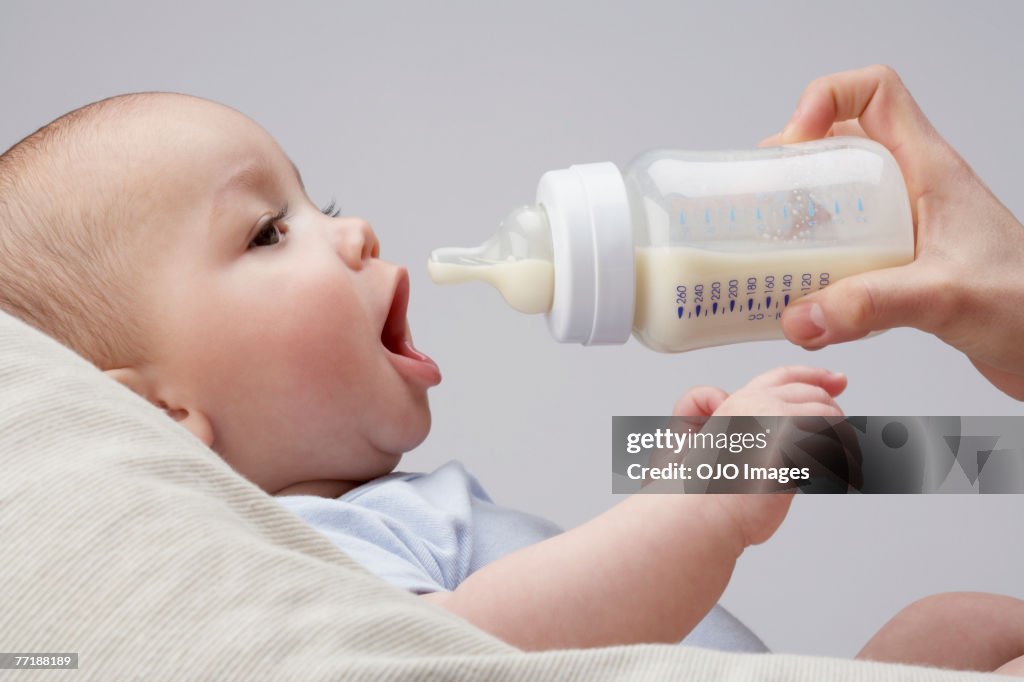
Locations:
{"points": [[169, 240]]}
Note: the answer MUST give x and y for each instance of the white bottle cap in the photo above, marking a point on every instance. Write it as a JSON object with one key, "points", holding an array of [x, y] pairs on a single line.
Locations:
{"points": [[592, 239]]}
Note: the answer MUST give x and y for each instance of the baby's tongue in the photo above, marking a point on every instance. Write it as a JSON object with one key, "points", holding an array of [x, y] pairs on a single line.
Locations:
{"points": [[409, 350]]}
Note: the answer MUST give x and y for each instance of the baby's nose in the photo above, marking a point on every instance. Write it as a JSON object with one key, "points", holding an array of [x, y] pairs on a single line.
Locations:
{"points": [[356, 241]]}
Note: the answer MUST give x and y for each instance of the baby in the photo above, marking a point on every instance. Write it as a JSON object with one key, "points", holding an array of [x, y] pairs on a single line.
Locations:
{"points": [[169, 240]]}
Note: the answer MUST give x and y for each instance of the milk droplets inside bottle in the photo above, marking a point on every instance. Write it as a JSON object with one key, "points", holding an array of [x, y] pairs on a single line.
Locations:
{"points": [[692, 249]]}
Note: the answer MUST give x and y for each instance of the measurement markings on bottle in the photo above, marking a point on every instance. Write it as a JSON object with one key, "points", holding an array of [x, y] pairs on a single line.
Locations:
{"points": [[762, 295]]}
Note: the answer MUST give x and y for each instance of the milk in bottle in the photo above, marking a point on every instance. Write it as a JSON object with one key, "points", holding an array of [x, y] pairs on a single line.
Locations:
{"points": [[693, 249]]}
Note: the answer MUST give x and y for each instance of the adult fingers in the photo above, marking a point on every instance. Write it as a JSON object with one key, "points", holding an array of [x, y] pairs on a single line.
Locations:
{"points": [[887, 112], [855, 306], [839, 128]]}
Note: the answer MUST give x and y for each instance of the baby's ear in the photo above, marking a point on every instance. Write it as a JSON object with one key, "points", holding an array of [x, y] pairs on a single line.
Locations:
{"points": [[191, 418]]}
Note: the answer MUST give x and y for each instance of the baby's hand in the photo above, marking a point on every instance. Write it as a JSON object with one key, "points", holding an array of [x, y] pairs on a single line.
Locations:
{"points": [[785, 391], [782, 392]]}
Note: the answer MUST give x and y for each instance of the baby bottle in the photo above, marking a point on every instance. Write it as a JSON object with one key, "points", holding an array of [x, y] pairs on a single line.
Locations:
{"points": [[692, 249]]}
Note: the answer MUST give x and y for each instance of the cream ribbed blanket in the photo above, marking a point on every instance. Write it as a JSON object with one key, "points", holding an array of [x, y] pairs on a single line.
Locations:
{"points": [[126, 540]]}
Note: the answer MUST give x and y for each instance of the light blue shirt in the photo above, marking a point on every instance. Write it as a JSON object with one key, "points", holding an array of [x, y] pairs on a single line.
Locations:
{"points": [[421, 532], [429, 532]]}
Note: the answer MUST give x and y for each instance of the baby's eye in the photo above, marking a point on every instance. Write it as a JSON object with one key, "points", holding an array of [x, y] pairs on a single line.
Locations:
{"points": [[268, 236]]}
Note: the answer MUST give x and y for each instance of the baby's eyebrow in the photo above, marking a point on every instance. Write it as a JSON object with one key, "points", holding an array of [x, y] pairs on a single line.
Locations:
{"points": [[251, 175]]}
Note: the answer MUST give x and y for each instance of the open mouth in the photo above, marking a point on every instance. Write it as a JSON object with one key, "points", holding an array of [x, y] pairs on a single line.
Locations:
{"points": [[412, 364], [395, 334]]}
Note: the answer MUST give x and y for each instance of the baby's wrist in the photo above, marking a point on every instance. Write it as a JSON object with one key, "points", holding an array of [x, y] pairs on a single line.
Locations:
{"points": [[721, 515]]}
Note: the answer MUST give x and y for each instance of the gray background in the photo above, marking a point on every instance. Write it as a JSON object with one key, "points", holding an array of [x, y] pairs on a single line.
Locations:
{"points": [[433, 120]]}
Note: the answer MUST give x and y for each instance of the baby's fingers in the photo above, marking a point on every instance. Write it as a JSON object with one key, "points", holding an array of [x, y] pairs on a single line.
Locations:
{"points": [[806, 395], [830, 409], [699, 401], [833, 382]]}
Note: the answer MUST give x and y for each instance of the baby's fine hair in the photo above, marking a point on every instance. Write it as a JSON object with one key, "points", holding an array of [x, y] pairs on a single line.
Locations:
{"points": [[67, 262]]}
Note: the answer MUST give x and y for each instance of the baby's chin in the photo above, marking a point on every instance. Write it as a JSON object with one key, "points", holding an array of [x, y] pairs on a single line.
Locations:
{"points": [[412, 430]]}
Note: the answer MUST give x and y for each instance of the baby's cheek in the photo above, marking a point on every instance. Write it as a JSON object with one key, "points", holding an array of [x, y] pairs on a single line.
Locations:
{"points": [[293, 340], [321, 339]]}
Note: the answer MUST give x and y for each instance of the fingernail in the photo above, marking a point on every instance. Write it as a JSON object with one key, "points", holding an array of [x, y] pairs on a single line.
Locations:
{"points": [[806, 322]]}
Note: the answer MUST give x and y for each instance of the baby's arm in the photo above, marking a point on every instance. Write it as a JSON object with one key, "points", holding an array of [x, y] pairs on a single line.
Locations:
{"points": [[651, 567]]}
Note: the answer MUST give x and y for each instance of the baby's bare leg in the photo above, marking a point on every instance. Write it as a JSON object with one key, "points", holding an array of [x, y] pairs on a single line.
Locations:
{"points": [[959, 630]]}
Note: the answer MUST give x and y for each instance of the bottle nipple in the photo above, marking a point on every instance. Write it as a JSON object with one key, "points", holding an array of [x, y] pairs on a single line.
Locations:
{"points": [[517, 261]]}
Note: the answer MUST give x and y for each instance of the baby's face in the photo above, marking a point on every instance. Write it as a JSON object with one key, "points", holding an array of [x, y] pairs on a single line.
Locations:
{"points": [[281, 332]]}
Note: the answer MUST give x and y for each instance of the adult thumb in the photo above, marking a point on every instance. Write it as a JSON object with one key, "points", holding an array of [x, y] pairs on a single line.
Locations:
{"points": [[855, 306]]}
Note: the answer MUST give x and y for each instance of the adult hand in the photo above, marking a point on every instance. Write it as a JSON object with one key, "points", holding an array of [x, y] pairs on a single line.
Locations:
{"points": [[965, 284]]}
